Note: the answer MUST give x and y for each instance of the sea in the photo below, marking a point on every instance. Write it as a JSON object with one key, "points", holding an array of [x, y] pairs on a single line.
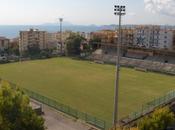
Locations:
{"points": [[12, 31]]}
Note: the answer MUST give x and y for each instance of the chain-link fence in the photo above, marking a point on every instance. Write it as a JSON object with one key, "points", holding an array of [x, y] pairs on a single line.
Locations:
{"points": [[104, 125], [151, 106], [92, 120], [67, 110]]}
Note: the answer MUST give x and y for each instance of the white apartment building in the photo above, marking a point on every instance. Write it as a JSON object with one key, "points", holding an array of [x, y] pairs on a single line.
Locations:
{"points": [[141, 35], [145, 36], [4, 43], [166, 39], [32, 37], [153, 37]]}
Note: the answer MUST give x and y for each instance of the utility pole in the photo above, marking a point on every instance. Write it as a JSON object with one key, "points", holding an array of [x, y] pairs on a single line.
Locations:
{"points": [[20, 51], [61, 41], [120, 11]]}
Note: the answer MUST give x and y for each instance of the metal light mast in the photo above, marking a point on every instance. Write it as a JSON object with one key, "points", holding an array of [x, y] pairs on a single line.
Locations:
{"points": [[120, 11], [61, 41]]}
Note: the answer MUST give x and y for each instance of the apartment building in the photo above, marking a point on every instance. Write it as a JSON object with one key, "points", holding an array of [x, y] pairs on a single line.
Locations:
{"points": [[104, 36], [153, 37], [65, 35], [84, 35], [14, 43], [166, 37], [173, 39], [127, 37], [4, 43], [32, 37], [54, 39], [142, 36]]}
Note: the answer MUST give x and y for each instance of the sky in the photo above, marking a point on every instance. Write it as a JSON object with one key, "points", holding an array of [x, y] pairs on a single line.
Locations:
{"points": [[85, 12]]}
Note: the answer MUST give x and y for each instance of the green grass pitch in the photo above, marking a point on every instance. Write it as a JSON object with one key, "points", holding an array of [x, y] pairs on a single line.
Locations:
{"points": [[87, 86]]}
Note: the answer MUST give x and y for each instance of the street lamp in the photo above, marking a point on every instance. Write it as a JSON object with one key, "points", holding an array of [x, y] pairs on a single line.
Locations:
{"points": [[120, 11], [61, 20]]}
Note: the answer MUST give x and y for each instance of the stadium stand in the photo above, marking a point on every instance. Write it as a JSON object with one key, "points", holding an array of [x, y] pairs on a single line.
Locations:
{"points": [[152, 63], [156, 58], [171, 60], [135, 55], [164, 59]]}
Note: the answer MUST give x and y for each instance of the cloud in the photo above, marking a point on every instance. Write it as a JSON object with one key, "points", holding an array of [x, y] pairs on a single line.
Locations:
{"points": [[165, 7]]}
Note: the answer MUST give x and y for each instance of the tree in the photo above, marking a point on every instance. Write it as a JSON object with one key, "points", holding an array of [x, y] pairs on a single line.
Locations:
{"points": [[46, 53], [73, 44], [15, 112], [86, 49], [34, 50], [13, 50], [159, 120]]}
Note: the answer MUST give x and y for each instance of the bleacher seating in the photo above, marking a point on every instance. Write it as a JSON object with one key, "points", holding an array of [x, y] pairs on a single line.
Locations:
{"points": [[163, 59], [155, 63], [135, 55], [156, 58], [170, 59]]}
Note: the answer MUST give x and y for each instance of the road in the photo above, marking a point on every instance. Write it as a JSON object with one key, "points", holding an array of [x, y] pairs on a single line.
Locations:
{"points": [[55, 120]]}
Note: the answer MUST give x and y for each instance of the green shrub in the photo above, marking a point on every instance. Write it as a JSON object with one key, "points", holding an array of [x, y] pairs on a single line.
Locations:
{"points": [[159, 120]]}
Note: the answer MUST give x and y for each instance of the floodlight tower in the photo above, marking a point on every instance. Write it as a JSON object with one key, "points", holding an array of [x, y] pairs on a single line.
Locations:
{"points": [[20, 50], [61, 41], [120, 11]]}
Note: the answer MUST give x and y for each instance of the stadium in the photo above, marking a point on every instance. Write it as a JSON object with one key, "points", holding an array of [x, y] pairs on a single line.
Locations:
{"points": [[71, 81]]}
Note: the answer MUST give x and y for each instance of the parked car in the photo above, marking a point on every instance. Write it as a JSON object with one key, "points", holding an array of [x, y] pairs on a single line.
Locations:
{"points": [[3, 59], [13, 58]]}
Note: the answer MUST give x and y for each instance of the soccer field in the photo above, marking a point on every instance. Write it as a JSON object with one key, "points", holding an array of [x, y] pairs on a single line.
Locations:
{"points": [[86, 86]]}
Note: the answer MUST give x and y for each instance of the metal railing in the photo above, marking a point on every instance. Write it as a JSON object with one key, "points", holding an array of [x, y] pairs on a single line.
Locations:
{"points": [[92, 120], [151, 106], [67, 110], [101, 124]]}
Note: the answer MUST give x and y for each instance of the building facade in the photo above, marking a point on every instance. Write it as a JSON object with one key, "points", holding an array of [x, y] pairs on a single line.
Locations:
{"points": [[127, 37], [153, 37], [32, 37], [143, 36], [174, 40], [104, 36], [165, 39], [54, 39], [4, 43]]}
